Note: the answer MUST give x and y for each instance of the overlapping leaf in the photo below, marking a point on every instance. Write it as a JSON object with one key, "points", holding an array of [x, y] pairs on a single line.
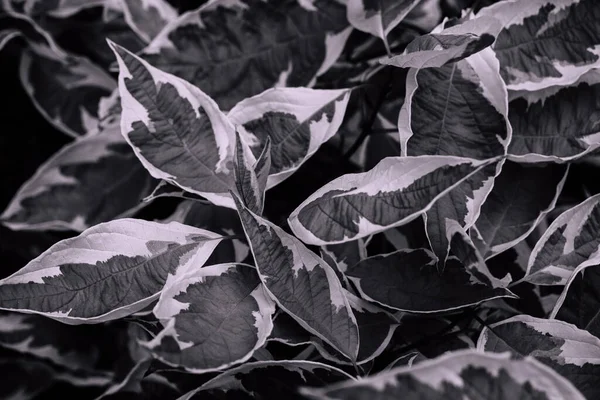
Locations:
{"points": [[251, 176], [296, 120], [556, 124], [214, 317], [234, 50], [572, 352], [109, 271], [408, 280], [393, 193], [461, 374], [521, 197], [545, 42], [301, 283], [570, 240], [94, 179], [178, 133], [148, 17]]}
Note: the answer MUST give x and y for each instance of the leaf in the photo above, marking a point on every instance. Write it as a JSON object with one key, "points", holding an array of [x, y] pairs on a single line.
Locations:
{"points": [[174, 128], [251, 176], [296, 120], [408, 280], [165, 189], [378, 17], [393, 193], [268, 380], [65, 90], [445, 46], [571, 352], [557, 124], [570, 240], [131, 383], [109, 271], [213, 318], [521, 197], [7, 35], [234, 50], [461, 374], [302, 284], [545, 42], [94, 179], [148, 17], [58, 8]]}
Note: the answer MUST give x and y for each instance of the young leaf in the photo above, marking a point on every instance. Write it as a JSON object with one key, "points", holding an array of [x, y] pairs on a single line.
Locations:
{"points": [[408, 280], [461, 374], [393, 193], [233, 50], [94, 179], [545, 43], [570, 240], [572, 352], [301, 283], [521, 197], [148, 17], [557, 124], [109, 271], [213, 318], [251, 177], [297, 121], [178, 133], [444, 46]]}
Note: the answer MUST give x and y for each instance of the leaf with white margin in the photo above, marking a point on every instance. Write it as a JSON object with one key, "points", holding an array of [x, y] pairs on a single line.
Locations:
{"points": [[379, 17], [178, 132], [58, 8], [297, 120], [393, 193], [570, 351], [94, 179], [571, 239], [251, 175], [301, 283], [545, 42], [408, 280], [444, 46], [109, 271], [268, 380], [65, 90], [165, 189], [147, 18], [521, 197], [7, 35], [233, 50], [557, 124], [213, 318]]}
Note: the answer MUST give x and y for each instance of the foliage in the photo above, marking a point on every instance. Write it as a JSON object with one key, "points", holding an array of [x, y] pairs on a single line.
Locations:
{"points": [[308, 199]]}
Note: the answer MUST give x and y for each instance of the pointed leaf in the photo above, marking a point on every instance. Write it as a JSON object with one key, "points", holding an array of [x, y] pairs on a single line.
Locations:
{"points": [[408, 280], [301, 283], [94, 179], [572, 352], [249, 186], [233, 50], [148, 17], [545, 42], [107, 272], [174, 128], [393, 193], [214, 317], [461, 374], [570, 240]]}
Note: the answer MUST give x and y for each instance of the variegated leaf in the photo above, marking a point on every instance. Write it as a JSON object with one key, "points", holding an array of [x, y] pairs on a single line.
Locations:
{"points": [[557, 124], [94, 179], [236, 49], [251, 176], [393, 193], [378, 17], [148, 17], [297, 121], [571, 239], [65, 90], [545, 42], [462, 374], [178, 132], [213, 318], [521, 197], [165, 189], [57, 8], [408, 280], [107, 272], [7, 35], [444, 46], [570, 351], [268, 380], [302, 284]]}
